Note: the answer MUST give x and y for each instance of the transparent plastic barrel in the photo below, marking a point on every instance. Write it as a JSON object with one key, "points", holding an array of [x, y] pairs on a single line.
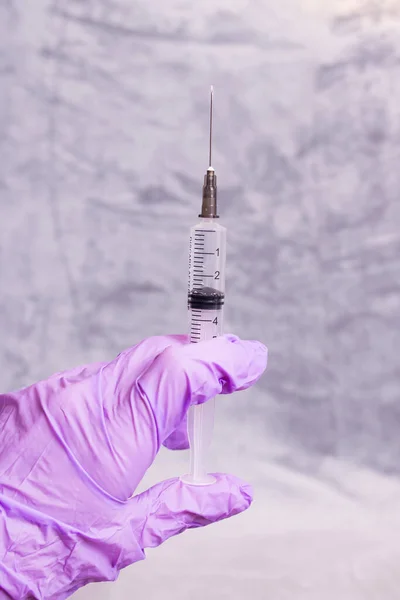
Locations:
{"points": [[206, 298]]}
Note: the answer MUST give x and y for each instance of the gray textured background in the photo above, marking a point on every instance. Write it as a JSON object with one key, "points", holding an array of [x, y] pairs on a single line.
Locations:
{"points": [[103, 146]]}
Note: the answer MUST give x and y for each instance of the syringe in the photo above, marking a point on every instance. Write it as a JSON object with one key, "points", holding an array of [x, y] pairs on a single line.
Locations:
{"points": [[206, 296]]}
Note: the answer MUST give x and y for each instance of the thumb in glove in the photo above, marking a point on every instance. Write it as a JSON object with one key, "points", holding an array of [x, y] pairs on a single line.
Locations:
{"points": [[171, 507]]}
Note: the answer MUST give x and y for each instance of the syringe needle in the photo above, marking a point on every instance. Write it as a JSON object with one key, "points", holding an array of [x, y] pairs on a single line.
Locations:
{"points": [[211, 118], [209, 203]]}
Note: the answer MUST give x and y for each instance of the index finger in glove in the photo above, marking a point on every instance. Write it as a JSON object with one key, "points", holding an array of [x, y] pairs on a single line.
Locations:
{"points": [[194, 373]]}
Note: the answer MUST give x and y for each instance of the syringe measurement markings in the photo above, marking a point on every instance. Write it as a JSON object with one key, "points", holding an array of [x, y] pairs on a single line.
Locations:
{"points": [[209, 253], [206, 231], [202, 320]]}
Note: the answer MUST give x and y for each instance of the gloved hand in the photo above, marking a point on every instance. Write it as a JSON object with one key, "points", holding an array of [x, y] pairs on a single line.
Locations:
{"points": [[73, 449]]}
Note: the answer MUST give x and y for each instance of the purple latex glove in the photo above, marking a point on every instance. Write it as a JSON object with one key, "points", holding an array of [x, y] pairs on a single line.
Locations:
{"points": [[73, 449]]}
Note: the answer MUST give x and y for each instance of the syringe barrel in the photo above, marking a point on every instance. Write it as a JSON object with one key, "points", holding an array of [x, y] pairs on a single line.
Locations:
{"points": [[207, 256], [206, 297]]}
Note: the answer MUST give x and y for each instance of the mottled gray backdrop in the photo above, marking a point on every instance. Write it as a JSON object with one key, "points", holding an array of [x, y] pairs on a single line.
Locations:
{"points": [[103, 146]]}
